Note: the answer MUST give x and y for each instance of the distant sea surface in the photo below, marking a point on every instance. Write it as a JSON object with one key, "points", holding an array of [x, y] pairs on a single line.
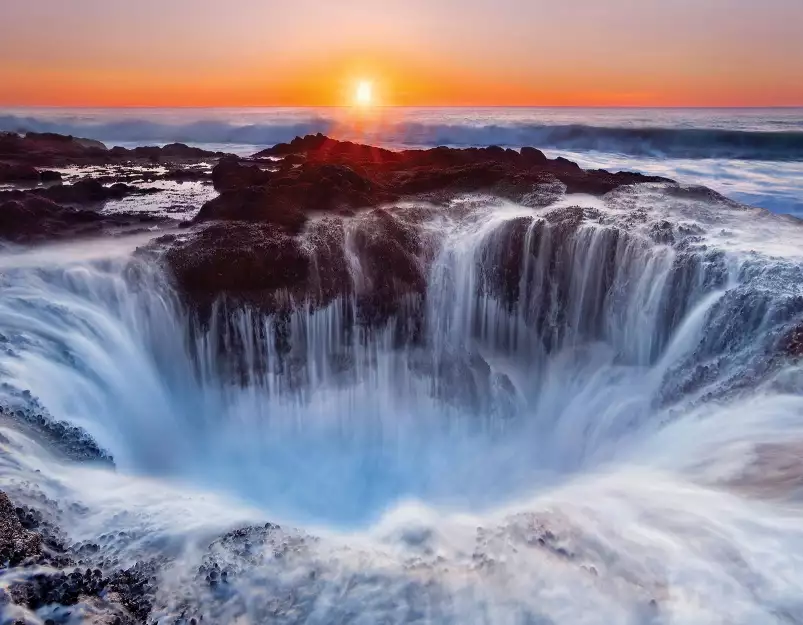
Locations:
{"points": [[751, 155]]}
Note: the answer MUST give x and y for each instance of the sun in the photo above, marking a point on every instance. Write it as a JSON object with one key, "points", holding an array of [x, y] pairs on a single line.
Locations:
{"points": [[364, 93]]}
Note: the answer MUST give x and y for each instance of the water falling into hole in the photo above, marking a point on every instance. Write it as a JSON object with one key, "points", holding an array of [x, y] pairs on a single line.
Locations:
{"points": [[571, 394]]}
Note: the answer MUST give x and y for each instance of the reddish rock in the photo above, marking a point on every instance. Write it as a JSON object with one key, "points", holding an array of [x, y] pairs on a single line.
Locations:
{"points": [[531, 156], [390, 264], [18, 173], [51, 149], [249, 261], [285, 197], [34, 219], [231, 173], [253, 204], [50, 176], [448, 170], [84, 191], [38, 218], [255, 248]]}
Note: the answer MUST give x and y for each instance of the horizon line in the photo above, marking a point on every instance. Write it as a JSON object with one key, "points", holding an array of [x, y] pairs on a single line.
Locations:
{"points": [[400, 106]]}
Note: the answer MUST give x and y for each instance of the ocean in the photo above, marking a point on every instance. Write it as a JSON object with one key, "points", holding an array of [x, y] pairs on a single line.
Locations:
{"points": [[754, 156], [590, 411]]}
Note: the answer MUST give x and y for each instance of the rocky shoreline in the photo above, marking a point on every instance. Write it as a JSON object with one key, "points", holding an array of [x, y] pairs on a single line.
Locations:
{"points": [[283, 231], [253, 242], [274, 234]]}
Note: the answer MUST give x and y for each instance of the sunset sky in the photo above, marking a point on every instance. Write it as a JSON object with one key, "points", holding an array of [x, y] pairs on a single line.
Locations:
{"points": [[414, 52]]}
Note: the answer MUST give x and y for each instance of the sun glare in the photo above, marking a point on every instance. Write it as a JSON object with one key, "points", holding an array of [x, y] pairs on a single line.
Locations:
{"points": [[364, 95]]}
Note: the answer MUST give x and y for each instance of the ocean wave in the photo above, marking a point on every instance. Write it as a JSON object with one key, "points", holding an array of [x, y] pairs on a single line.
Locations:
{"points": [[694, 143]]}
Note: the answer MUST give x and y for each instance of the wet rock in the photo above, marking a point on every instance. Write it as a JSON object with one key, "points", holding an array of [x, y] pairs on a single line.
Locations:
{"points": [[253, 204], [17, 544], [71, 441], [247, 261], [449, 170], [699, 192], [33, 218], [84, 191], [38, 218], [330, 276], [48, 148], [50, 176], [502, 260], [261, 247], [391, 267], [26, 174], [285, 198], [791, 344], [663, 232], [18, 173], [230, 173], [122, 596], [531, 156], [51, 149]]}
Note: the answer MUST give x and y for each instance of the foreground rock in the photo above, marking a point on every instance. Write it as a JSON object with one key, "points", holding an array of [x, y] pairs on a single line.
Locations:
{"points": [[48, 574], [17, 545]]}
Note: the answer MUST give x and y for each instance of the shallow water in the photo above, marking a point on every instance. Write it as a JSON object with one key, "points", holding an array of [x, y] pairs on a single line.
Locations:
{"points": [[752, 155]]}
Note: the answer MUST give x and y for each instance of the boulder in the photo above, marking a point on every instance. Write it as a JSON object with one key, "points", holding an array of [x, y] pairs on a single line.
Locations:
{"points": [[285, 198], [34, 218], [16, 543], [18, 173], [532, 157], [84, 191], [49, 176], [253, 204], [231, 173], [250, 262]]}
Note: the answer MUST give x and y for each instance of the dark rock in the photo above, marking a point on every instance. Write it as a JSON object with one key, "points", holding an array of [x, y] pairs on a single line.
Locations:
{"points": [[184, 174], [255, 252], [16, 543], [84, 191], [447, 171], [253, 204], [183, 151], [389, 256], [50, 176], [531, 156], [18, 173], [791, 343], [283, 197], [51, 149], [71, 441], [39, 218], [502, 260], [34, 218], [249, 261], [230, 173]]}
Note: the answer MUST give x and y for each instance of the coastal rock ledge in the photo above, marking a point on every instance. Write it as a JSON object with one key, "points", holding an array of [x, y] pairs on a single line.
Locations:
{"points": [[256, 242]]}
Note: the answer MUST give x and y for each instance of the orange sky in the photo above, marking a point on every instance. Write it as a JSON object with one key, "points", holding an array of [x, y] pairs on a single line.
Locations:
{"points": [[416, 52]]}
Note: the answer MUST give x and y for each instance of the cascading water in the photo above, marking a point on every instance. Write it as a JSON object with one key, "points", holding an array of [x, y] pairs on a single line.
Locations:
{"points": [[596, 423]]}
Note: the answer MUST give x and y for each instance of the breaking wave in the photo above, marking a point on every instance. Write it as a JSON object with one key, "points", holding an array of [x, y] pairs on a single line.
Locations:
{"points": [[676, 142]]}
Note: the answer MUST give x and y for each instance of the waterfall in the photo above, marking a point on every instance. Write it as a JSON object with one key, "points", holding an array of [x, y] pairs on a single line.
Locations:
{"points": [[566, 376]]}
